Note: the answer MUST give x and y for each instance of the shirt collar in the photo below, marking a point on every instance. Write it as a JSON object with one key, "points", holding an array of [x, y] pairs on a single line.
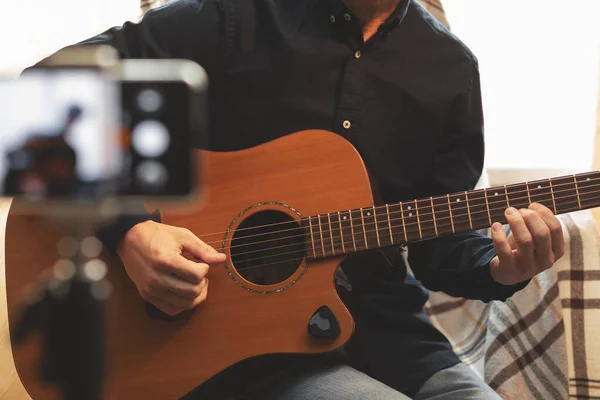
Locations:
{"points": [[338, 8]]}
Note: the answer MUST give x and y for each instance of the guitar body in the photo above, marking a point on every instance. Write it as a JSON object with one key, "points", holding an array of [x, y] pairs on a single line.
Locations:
{"points": [[154, 358]]}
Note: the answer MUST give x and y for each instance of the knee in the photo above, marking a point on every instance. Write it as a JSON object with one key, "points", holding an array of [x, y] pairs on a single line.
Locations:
{"points": [[351, 384]]}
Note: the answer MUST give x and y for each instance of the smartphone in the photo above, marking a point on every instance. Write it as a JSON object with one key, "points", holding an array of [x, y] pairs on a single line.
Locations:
{"points": [[86, 128], [164, 117]]}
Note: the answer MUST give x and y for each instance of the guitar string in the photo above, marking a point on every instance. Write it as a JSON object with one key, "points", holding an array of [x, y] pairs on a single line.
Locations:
{"points": [[408, 226], [304, 250], [343, 236], [302, 258], [443, 197], [490, 201], [455, 214]]}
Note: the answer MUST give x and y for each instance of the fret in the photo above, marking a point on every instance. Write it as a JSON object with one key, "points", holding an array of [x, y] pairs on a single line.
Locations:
{"points": [[565, 194], [403, 222], [325, 232], [371, 236], [528, 194], [376, 226], [397, 223], [577, 191], [468, 210], [337, 219], [433, 216], [425, 216], [323, 253], [352, 229], [347, 231], [336, 240], [540, 192], [383, 226], [330, 233], [389, 219], [506, 195], [418, 220], [487, 206], [552, 192], [459, 212], [358, 228], [478, 209], [441, 208], [517, 195], [312, 240], [365, 228], [497, 203], [410, 221], [588, 185], [450, 211]]}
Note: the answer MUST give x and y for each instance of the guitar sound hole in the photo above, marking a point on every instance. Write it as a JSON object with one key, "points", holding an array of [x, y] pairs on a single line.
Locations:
{"points": [[268, 247]]}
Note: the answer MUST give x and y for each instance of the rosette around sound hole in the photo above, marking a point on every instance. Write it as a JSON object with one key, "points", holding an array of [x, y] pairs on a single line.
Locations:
{"points": [[268, 247]]}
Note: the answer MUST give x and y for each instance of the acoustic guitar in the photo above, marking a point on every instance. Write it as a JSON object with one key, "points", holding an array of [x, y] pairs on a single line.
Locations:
{"points": [[285, 213]]}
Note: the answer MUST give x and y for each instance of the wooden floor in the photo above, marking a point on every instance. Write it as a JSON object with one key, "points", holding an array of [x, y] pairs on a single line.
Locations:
{"points": [[10, 385]]}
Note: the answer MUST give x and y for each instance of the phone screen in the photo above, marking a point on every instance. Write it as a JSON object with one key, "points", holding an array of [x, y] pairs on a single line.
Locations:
{"points": [[60, 136]]}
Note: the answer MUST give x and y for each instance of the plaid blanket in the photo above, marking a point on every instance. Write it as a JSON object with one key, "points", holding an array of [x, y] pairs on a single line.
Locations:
{"points": [[542, 343]]}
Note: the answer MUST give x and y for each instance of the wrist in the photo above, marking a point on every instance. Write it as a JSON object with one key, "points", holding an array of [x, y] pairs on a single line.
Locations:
{"points": [[502, 279], [113, 234], [130, 236]]}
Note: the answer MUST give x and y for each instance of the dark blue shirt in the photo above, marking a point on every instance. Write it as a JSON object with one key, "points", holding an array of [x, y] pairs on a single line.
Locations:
{"points": [[408, 99]]}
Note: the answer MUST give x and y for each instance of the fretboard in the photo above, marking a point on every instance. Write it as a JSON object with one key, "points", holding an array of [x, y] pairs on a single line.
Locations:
{"points": [[349, 231]]}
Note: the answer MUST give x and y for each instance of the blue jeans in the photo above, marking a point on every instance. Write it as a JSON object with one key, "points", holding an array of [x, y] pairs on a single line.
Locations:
{"points": [[341, 381]]}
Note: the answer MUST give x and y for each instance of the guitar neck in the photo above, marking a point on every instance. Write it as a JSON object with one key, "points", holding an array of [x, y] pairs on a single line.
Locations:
{"points": [[368, 228]]}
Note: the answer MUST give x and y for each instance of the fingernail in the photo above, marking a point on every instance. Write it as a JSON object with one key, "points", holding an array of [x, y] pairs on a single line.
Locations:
{"points": [[511, 210], [497, 227], [534, 206]]}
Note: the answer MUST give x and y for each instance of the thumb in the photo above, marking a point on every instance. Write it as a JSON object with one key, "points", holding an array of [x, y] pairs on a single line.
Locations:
{"points": [[199, 249], [212, 256]]}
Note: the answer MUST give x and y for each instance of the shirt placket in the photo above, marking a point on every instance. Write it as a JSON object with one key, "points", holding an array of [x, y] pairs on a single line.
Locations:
{"points": [[351, 94]]}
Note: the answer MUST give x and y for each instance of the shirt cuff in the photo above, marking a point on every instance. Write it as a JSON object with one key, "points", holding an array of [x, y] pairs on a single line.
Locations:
{"points": [[111, 234], [491, 288]]}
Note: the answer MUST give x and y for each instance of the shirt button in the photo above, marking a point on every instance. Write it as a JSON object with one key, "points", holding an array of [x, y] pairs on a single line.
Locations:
{"points": [[347, 17], [332, 18], [346, 124], [357, 54]]}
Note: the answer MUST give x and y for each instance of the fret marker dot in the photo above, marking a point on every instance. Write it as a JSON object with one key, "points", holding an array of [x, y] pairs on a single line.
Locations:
{"points": [[345, 217], [587, 179], [539, 186], [368, 214], [409, 207], [457, 200], [410, 214], [496, 194]]}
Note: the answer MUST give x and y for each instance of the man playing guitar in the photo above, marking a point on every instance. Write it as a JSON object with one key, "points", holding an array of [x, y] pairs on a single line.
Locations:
{"points": [[385, 75]]}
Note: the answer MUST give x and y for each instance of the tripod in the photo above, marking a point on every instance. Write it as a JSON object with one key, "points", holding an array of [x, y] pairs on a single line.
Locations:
{"points": [[67, 307]]}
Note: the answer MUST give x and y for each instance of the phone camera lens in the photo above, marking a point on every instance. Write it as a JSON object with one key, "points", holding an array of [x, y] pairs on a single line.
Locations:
{"points": [[149, 100], [151, 175], [150, 138]]}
